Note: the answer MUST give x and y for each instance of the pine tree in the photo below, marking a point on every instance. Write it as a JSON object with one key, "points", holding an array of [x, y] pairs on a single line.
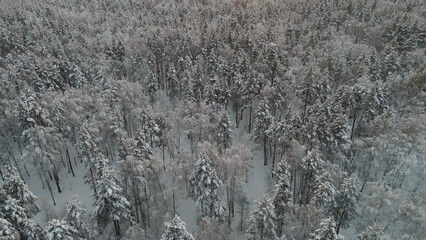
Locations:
{"points": [[87, 151], [110, 203], [223, 131], [325, 194], [59, 230], [263, 120], [261, 225], [175, 230], [17, 216], [205, 189], [283, 197], [346, 200], [311, 165], [7, 231], [326, 231], [17, 189], [173, 83], [74, 215]]}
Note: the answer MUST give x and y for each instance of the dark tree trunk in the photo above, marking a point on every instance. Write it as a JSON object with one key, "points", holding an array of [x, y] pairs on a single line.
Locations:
{"points": [[70, 163], [306, 105], [117, 229], [236, 114], [9, 150], [265, 151], [164, 160], [249, 123], [340, 222], [353, 124]]}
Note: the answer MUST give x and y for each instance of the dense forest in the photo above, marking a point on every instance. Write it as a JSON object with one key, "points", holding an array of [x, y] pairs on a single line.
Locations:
{"points": [[212, 119]]}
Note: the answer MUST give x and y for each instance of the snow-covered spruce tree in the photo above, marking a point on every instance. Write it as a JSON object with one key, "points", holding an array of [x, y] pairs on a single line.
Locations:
{"points": [[18, 189], [223, 132], [74, 215], [325, 194], [87, 150], [7, 231], [308, 90], [204, 187], [60, 230], [173, 83], [41, 137], [261, 225], [346, 200], [175, 230], [311, 165], [263, 120], [110, 203], [283, 197], [326, 231], [374, 232], [17, 216]]}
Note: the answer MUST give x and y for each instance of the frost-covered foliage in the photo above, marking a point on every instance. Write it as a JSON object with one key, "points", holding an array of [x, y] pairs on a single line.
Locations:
{"points": [[283, 196], [16, 188], [16, 215], [333, 87], [261, 224], [326, 231], [311, 165], [223, 132], [325, 194], [110, 203], [205, 187], [374, 232], [75, 217], [346, 201], [7, 231], [59, 230], [175, 230]]}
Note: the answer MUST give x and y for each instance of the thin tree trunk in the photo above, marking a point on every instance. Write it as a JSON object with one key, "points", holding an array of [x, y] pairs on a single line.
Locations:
{"points": [[50, 189], [243, 204], [55, 175], [249, 121], [117, 229], [236, 114], [294, 181], [273, 158], [174, 197], [162, 193], [164, 159], [9, 150], [228, 197], [62, 159], [340, 222], [306, 105], [147, 209], [265, 153], [70, 163], [233, 196], [353, 124], [39, 174]]}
